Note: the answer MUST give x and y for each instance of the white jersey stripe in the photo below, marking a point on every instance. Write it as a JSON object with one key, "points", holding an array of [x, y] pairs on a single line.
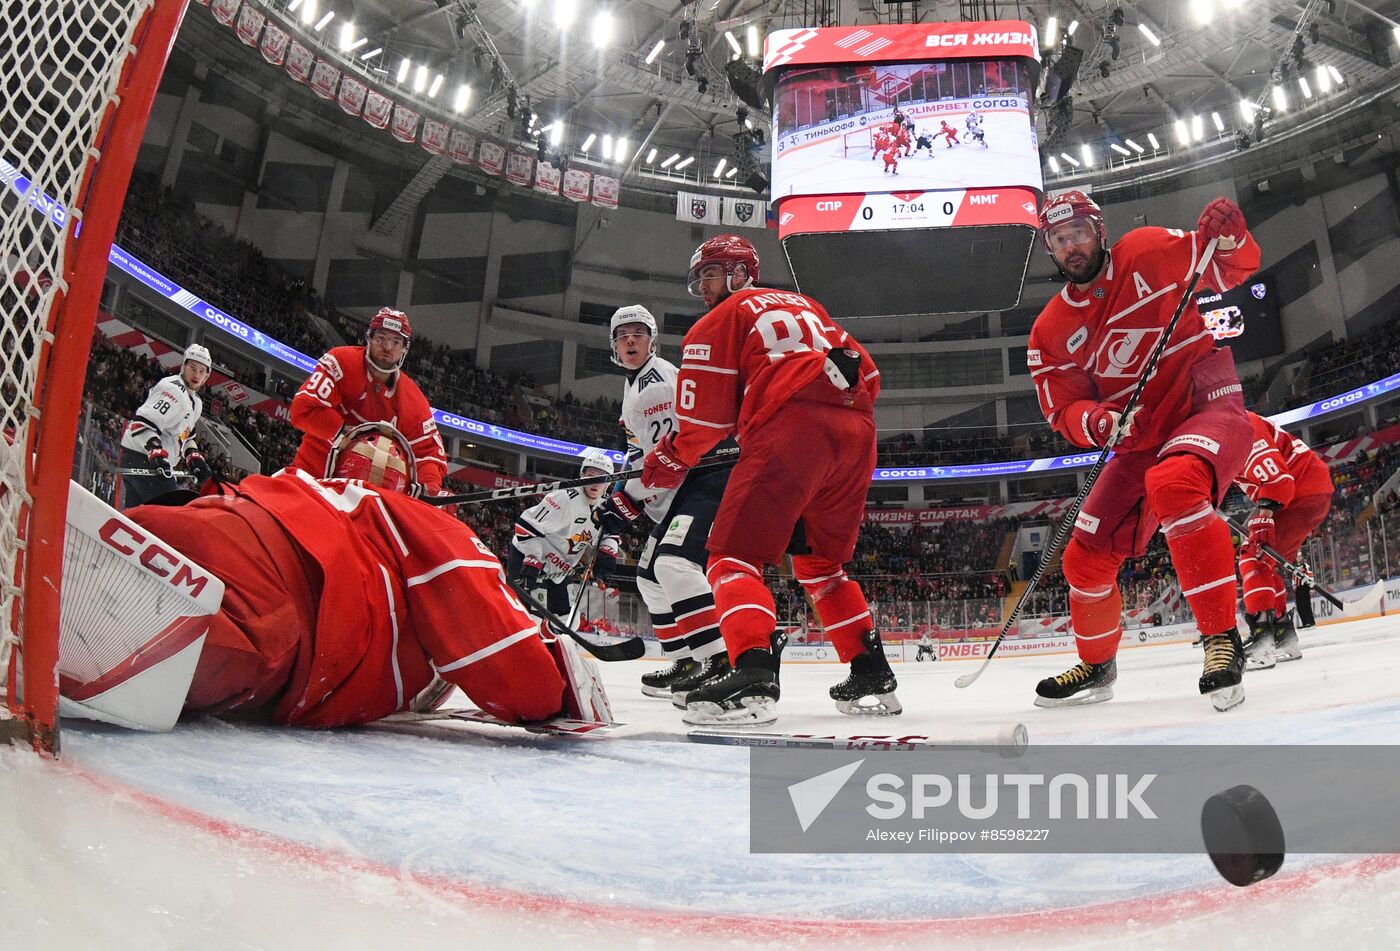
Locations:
{"points": [[447, 566], [496, 648]]}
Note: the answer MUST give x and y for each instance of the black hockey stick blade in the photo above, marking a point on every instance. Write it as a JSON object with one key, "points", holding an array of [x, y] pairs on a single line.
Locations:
{"points": [[1296, 572], [722, 458], [629, 649]]}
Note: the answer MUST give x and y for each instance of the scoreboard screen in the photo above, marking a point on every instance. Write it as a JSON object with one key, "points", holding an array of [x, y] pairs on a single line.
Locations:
{"points": [[1246, 318]]}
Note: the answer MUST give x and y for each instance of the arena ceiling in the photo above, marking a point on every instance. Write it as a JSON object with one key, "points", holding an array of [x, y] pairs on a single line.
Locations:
{"points": [[1145, 65]]}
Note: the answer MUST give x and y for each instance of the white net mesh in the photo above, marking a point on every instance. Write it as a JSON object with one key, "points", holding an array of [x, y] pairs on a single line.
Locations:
{"points": [[59, 66]]}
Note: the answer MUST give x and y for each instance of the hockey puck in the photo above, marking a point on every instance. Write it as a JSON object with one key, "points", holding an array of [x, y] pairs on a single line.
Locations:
{"points": [[1013, 741], [1243, 835]]}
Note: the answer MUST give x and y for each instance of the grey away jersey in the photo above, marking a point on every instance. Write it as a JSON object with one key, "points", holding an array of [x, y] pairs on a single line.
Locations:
{"points": [[649, 414], [169, 413]]}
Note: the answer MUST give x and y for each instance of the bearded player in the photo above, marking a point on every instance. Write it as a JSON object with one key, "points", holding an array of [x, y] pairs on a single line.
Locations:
{"points": [[772, 368], [355, 385], [1180, 449]]}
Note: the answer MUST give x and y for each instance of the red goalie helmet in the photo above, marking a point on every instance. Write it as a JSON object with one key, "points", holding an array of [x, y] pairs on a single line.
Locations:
{"points": [[728, 251], [1067, 206], [375, 454]]}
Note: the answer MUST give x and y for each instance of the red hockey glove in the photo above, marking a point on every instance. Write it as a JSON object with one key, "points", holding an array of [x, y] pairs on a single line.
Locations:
{"points": [[1261, 528], [662, 468], [1221, 219], [530, 573], [159, 459], [199, 468], [1099, 421]]}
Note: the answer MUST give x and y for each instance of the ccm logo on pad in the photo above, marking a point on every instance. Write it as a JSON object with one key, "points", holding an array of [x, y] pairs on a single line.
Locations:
{"points": [[153, 556]]}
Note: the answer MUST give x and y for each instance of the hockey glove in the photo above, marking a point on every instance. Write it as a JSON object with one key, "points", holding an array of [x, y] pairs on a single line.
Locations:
{"points": [[617, 513], [530, 573], [663, 468], [606, 561], [194, 461], [1222, 220], [1100, 420], [159, 459], [1262, 530]]}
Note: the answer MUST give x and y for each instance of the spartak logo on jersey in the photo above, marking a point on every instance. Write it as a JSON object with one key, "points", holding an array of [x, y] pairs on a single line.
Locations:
{"points": [[1124, 351]]}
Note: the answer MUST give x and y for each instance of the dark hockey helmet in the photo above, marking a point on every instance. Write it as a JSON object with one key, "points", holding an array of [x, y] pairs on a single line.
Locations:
{"points": [[728, 251], [1067, 206], [394, 321], [373, 453]]}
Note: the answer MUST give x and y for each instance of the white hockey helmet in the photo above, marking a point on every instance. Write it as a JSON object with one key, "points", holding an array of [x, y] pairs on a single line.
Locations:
{"points": [[596, 459], [631, 314], [199, 354]]}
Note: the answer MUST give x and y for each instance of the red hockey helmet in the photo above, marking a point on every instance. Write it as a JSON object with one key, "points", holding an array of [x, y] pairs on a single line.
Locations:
{"points": [[1067, 206], [728, 251], [375, 454], [393, 321]]}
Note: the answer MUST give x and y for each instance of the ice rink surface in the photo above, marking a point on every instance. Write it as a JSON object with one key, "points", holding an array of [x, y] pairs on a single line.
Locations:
{"points": [[229, 836]]}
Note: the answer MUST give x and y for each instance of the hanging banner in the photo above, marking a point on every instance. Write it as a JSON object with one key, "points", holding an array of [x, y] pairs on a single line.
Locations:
{"points": [[462, 147], [224, 10], [605, 191], [324, 79], [697, 208], [546, 178], [378, 108], [274, 44], [435, 136], [576, 185], [352, 95], [299, 62], [405, 124], [518, 168], [493, 158], [743, 212], [250, 24]]}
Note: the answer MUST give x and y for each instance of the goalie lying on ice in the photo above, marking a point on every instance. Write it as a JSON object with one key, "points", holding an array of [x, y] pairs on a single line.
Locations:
{"points": [[342, 603]]}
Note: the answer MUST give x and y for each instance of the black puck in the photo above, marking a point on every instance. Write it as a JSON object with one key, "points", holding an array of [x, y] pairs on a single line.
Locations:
{"points": [[1243, 835]]}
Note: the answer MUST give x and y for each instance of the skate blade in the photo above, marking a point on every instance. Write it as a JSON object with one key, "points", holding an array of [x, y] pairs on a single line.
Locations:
{"points": [[661, 693], [871, 705], [1284, 656], [678, 699], [752, 711], [1226, 697], [1264, 660], [1092, 695]]}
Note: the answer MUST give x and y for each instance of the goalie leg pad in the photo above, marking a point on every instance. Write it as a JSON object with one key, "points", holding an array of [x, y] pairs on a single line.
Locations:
{"points": [[585, 697]]}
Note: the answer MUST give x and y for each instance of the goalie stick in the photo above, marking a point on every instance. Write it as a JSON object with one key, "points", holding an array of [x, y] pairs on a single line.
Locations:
{"points": [[1067, 523], [629, 649], [1010, 743], [555, 726], [1300, 573], [724, 457]]}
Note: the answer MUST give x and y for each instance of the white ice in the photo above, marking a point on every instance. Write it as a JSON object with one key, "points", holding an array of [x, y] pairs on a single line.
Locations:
{"points": [[1010, 158], [228, 836]]}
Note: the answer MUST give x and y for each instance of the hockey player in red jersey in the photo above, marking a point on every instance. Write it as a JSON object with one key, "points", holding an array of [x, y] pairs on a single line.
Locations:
{"points": [[772, 368], [1182, 446], [880, 140], [948, 132], [344, 601], [1292, 491], [354, 385], [892, 158]]}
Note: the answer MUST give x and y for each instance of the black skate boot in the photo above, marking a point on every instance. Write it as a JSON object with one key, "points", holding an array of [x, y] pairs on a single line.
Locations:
{"points": [[1286, 646], [869, 690], [1259, 645], [711, 668], [1223, 670], [1082, 683], [658, 682], [745, 696]]}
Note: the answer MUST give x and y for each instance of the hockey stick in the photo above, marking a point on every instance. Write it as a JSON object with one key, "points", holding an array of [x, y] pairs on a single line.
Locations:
{"points": [[174, 473], [1067, 523], [1298, 572], [629, 649], [583, 585], [725, 457]]}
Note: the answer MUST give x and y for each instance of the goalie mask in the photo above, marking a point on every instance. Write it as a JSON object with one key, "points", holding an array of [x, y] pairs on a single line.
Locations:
{"points": [[392, 321], [631, 314], [375, 454]]}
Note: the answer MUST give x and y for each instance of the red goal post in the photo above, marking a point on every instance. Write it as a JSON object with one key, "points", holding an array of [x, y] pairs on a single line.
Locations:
{"points": [[855, 144], [78, 80]]}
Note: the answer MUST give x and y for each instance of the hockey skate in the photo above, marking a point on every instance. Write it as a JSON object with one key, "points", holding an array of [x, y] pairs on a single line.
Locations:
{"points": [[710, 669], [745, 696], [1286, 646], [1083, 683], [1259, 645], [869, 690], [658, 682], [1223, 670]]}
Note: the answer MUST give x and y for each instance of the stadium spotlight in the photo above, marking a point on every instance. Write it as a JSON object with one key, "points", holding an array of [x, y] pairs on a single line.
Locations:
{"points": [[607, 147], [751, 35], [556, 132], [403, 69], [733, 42], [620, 149], [436, 87], [1073, 25], [1183, 134], [1219, 122], [651, 157], [1203, 11], [371, 54], [1336, 76], [1151, 37], [1246, 110], [655, 52], [666, 163], [420, 79], [308, 13], [1054, 165], [1324, 79], [719, 167], [686, 161], [731, 173], [321, 23], [602, 28], [588, 142], [1198, 128], [1070, 159], [564, 13], [1280, 100], [1052, 30], [1088, 154], [1303, 85], [1134, 146], [464, 96], [1120, 150]]}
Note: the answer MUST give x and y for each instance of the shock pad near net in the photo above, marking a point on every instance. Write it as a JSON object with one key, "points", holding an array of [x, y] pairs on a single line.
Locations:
{"points": [[77, 80]]}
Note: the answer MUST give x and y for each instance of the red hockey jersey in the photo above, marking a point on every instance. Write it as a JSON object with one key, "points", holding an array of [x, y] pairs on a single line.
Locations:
{"points": [[340, 392], [747, 357], [1281, 467], [1091, 346]]}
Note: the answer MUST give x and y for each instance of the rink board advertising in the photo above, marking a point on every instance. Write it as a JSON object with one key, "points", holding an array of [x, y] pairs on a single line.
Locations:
{"points": [[906, 155], [878, 797]]}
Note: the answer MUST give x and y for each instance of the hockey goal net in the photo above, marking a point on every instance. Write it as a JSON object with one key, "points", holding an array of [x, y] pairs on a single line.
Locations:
{"points": [[855, 144], [78, 80]]}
